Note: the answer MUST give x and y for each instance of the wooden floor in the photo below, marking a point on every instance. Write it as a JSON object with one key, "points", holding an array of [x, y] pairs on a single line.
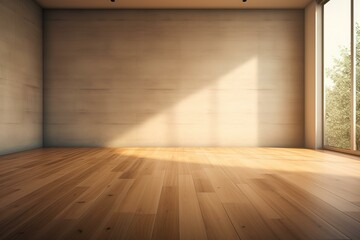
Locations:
{"points": [[179, 193]]}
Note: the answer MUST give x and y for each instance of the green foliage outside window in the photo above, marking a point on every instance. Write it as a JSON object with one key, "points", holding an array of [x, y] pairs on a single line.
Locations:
{"points": [[338, 100]]}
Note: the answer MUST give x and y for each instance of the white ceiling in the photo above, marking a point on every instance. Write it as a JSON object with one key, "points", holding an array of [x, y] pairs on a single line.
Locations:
{"points": [[173, 4]]}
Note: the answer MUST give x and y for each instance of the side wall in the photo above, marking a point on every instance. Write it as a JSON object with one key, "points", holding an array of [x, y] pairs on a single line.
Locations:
{"points": [[174, 78], [20, 75], [313, 76]]}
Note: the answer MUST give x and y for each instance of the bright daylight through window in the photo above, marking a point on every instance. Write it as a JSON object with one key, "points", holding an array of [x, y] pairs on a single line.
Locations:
{"points": [[338, 78]]}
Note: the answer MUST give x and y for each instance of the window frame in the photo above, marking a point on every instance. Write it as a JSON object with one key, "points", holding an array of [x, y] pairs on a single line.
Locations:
{"points": [[353, 96]]}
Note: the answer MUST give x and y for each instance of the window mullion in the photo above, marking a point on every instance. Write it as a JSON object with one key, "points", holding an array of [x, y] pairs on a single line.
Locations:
{"points": [[353, 77]]}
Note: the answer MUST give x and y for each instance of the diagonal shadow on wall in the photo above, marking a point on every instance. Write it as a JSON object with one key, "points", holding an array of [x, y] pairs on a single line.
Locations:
{"points": [[173, 78]]}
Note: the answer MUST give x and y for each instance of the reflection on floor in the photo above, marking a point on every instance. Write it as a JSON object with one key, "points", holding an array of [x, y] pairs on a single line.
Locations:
{"points": [[179, 193]]}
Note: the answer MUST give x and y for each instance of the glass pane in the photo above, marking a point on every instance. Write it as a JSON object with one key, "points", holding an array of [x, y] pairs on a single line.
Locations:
{"points": [[337, 73]]}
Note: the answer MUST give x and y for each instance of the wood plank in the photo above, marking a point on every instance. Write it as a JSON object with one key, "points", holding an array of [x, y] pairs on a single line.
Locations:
{"points": [[167, 216], [88, 224], [217, 222], [193, 227]]}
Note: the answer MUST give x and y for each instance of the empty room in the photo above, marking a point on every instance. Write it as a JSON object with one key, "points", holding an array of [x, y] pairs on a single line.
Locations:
{"points": [[180, 119]]}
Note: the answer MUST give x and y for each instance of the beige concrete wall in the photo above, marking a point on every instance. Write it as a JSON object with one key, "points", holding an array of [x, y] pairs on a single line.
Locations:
{"points": [[20, 75], [313, 76], [174, 78]]}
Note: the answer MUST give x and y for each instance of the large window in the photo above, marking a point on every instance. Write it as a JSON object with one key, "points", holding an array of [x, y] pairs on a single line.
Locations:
{"points": [[341, 95]]}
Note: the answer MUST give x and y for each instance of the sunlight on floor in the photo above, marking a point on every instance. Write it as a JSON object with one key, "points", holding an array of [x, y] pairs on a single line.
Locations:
{"points": [[263, 159]]}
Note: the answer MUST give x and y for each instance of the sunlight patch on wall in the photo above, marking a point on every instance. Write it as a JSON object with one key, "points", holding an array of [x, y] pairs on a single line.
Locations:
{"points": [[222, 113]]}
